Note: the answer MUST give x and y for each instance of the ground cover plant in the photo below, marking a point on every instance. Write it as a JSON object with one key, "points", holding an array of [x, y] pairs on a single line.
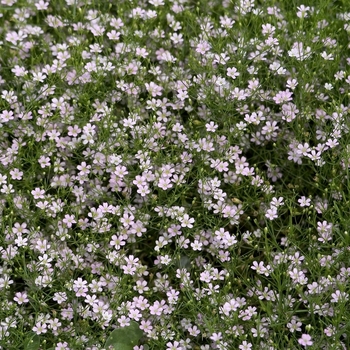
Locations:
{"points": [[174, 174]]}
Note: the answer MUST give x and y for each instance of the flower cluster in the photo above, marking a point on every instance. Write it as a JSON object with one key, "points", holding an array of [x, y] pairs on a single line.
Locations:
{"points": [[177, 165]]}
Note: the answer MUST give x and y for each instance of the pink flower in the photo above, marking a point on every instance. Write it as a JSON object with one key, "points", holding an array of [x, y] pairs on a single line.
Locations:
{"points": [[245, 346], [40, 328], [69, 220], [164, 183], [62, 346], [260, 268], [203, 47], [38, 193], [157, 308], [232, 72], [305, 340], [154, 89], [271, 213], [299, 52], [304, 202], [186, 221], [283, 96], [124, 321], [21, 298], [16, 174], [174, 346]]}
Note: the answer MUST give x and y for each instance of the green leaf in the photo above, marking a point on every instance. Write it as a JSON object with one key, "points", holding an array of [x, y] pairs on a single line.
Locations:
{"points": [[124, 338], [185, 262], [32, 342]]}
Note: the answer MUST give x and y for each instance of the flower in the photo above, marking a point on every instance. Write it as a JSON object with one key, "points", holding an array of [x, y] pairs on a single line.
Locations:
{"points": [[245, 345], [305, 340], [21, 298], [283, 96], [304, 202], [299, 52], [186, 221]]}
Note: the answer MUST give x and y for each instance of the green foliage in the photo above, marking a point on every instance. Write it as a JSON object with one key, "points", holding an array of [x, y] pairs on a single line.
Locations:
{"points": [[124, 338], [32, 342]]}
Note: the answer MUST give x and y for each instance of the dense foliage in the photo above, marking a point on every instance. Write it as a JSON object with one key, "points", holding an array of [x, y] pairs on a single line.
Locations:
{"points": [[174, 174]]}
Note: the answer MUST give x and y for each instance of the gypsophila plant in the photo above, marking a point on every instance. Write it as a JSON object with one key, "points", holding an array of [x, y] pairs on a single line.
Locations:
{"points": [[174, 174]]}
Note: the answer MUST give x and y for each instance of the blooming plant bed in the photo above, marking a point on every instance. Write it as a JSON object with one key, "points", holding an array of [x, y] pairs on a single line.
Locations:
{"points": [[174, 174]]}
